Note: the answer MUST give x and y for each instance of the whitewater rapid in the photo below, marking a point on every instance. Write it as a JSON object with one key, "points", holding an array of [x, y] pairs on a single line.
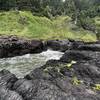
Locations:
{"points": [[22, 65]]}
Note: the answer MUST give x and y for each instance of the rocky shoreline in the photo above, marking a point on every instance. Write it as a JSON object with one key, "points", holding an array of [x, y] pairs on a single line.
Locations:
{"points": [[76, 76], [11, 46]]}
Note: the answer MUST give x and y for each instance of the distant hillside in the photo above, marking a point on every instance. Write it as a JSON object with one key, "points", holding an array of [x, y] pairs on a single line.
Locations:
{"points": [[23, 23]]}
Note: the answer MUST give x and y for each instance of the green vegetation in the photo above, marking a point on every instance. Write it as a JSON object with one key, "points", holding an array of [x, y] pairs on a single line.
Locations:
{"points": [[23, 23], [76, 81], [69, 65], [50, 20], [97, 22], [97, 87], [47, 69]]}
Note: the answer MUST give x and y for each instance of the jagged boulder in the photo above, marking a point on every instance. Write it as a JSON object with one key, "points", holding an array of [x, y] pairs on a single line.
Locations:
{"points": [[7, 79], [39, 90], [46, 72], [60, 45], [13, 46], [88, 73], [80, 55], [57, 73], [63, 45], [87, 46], [6, 94]]}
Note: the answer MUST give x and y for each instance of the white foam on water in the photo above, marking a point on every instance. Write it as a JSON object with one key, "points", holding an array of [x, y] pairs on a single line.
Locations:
{"points": [[50, 54], [22, 65]]}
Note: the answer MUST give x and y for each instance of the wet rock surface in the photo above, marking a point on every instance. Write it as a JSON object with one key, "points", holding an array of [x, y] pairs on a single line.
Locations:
{"points": [[7, 81], [6, 94], [13, 46], [61, 45], [73, 77]]}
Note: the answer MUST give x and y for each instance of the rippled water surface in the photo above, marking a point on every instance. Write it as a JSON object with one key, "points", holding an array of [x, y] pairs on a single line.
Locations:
{"points": [[22, 65]]}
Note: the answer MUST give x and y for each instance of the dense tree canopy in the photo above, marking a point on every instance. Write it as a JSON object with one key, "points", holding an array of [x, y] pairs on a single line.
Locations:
{"points": [[79, 10], [54, 7]]}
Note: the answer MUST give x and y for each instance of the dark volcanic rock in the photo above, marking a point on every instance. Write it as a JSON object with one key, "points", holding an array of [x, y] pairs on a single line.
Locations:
{"points": [[55, 80], [88, 73], [80, 55], [87, 65], [6, 94], [89, 47], [57, 74], [61, 45], [39, 90], [75, 55], [46, 72], [61, 89], [7, 79], [13, 46]]}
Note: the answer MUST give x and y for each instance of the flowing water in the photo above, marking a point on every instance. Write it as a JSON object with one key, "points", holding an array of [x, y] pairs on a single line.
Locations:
{"points": [[22, 65]]}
